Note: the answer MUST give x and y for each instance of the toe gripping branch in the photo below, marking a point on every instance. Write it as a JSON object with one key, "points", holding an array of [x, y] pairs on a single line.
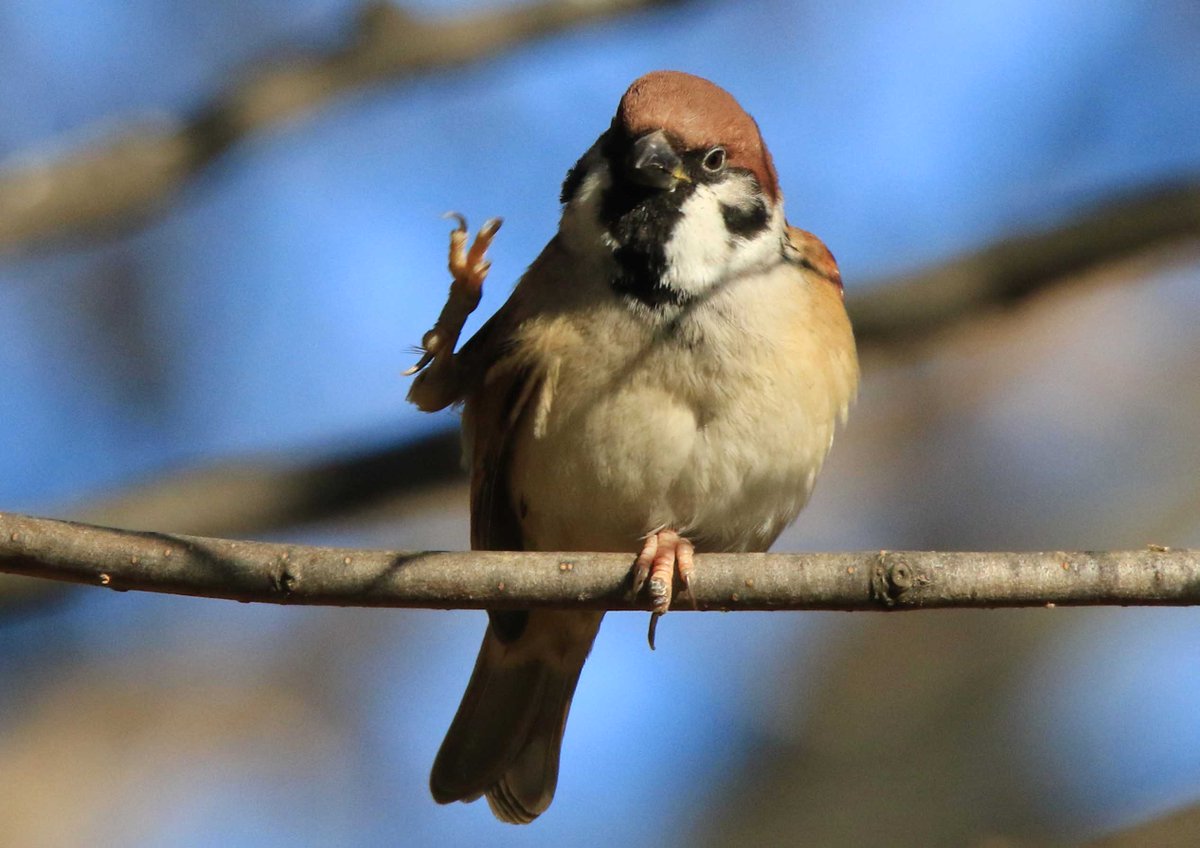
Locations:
{"points": [[436, 385], [664, 553]]}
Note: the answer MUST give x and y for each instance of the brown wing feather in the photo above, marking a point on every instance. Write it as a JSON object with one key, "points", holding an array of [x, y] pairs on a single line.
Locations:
{"points": [[810, 252], [491, 419], [501, 391]]}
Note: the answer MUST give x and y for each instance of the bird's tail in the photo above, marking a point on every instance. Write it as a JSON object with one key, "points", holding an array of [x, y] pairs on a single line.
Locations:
{"points": [[505, 738]]}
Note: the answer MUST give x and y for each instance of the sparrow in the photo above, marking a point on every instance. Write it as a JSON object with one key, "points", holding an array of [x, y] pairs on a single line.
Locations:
{"points": [[665, 378]]}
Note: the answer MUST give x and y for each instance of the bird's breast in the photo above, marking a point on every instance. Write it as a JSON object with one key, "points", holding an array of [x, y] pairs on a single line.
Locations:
{"points": [[714, 424]]}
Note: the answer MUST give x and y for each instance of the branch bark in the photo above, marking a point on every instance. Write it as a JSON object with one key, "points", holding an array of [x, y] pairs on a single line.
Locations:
{"points": [[306, 575], [116, 184]]}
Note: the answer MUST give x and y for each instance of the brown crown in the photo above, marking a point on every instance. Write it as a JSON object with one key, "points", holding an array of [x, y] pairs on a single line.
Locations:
{"points": [[698, 114]]}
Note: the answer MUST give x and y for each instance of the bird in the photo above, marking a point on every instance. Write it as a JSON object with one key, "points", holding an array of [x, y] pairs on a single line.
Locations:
{"points": [[666, 377]]}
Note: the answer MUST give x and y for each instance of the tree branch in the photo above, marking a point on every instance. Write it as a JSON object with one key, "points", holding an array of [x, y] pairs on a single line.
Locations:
{"points": [[114, 185], [911, 307], [299, 574], [248, 496]]}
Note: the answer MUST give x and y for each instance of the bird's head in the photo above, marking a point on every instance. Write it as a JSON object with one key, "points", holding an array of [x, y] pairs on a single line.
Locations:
{"points": [[680, 189]]}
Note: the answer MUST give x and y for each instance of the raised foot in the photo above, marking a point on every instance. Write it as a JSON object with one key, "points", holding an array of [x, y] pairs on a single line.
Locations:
{"points": [[469, 268], [664, 554]]}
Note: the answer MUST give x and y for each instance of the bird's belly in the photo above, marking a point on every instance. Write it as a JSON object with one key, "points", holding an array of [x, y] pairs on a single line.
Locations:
{"points": [[728, 472]]}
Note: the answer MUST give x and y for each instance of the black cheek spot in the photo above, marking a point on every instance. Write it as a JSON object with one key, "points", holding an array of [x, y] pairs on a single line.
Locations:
{"points": [[571, 184], [576, 176], [745, 221], [586, 164]]}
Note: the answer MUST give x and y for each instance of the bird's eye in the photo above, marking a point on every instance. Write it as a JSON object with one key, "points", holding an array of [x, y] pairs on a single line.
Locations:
{"points": [[714, 160]]}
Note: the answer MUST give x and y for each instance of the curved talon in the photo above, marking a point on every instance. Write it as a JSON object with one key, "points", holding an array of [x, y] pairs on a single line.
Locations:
{"points": [[426, 358], [664, 553], [687, 587], [456, 216], [490, 227], [654, 617]]}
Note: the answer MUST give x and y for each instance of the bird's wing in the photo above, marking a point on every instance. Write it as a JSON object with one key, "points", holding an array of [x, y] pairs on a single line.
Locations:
{"points": [[492, 418], [809, 252], [501, 388]]}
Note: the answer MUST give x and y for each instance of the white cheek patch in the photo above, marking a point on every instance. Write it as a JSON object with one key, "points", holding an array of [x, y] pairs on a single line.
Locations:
{"points": [[702, 252]]}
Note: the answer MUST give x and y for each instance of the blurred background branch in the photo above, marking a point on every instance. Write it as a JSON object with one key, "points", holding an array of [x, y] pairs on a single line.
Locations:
{"points": [[1177, 829], [311, 575], [251, 496], [910, 307], [115, 184]]}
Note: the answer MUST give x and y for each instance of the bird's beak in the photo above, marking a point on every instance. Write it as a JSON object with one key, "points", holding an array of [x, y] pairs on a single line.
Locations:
{"points": [[653, 162]]}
